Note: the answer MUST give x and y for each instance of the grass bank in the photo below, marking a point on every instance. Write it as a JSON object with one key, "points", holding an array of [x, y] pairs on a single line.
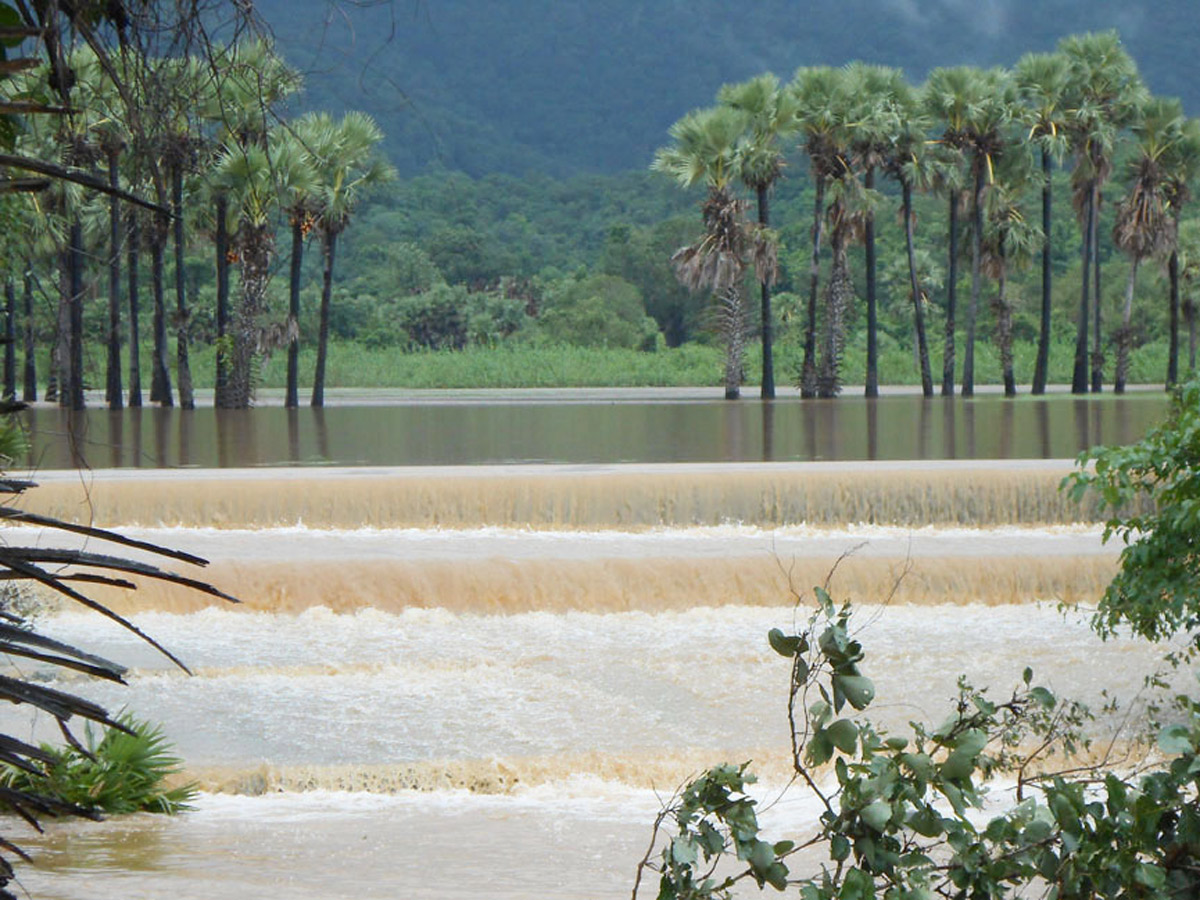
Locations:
{"points": [[694, 365]]}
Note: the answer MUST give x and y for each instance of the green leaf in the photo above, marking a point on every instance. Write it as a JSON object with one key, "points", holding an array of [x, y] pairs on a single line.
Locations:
{"points": [[785, 645], [844, 735], [877, 814], [820, 748], [683, 850], [1043, 697], [839, 847], [1175, 739], [858, 689]]}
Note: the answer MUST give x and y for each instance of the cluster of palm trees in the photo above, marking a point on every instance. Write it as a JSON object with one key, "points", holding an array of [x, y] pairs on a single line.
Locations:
{"points": [[205, 141], [987, 141]]}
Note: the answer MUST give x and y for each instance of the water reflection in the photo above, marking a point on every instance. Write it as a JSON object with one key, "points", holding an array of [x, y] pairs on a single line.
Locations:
{"points": [[662, 431]]}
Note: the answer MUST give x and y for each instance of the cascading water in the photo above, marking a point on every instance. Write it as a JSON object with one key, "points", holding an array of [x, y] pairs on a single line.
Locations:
{"points": [[451, 683]]}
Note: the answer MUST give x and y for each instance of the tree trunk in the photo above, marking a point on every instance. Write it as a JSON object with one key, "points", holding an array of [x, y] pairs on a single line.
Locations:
{"points": [[837, 299], [968, 376], [1004, 330], [1173, 342], [187, 399], [808, 375], [1041, 368], [1124, 337], [951, 296], [914, 286], [292, 399], [1097, 346], [254, 245], [872, 381], [1079, 382], [733, 331], [112, 382], [10, 339], [768, 353], [135, 346], [160, 375], [74, 387], [29, 388], [221, 381], [328, 248]]}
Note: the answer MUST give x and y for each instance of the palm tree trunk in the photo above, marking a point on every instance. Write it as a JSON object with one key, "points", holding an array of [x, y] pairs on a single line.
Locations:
{"points": [[160, 375], [183, 368], [872, 380], [1124, 336], [112, 382], [914, 286], [1041, 369], [29, 388], [968, 376], [1004, 330], [837, 299], [135, 346], [255, 246], [221, 381], [1097, 347], [1173, 343], [10, 339], [291, 401], [733, 330], [1079, 383], [74, 393], [328, 248], [768, 354], [808, 375], [951, 296]]}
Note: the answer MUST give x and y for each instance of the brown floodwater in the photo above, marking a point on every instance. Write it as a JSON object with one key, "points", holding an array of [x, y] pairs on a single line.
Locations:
{"points": [[587, 431]]}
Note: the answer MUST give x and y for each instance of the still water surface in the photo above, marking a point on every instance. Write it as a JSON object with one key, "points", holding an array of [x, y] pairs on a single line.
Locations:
{"points": [[850, 428]]}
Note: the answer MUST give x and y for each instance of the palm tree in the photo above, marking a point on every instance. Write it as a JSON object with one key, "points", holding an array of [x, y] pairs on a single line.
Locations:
{"points": [[341, 154], [975, 107], [297, 196], [769, 112], [907, 161], [875, 124], [1009, 242], [1144, 224], [705, 150], [1182, 164], [1041, 81], [1102, 95], [822, 108], [1187, 265]]}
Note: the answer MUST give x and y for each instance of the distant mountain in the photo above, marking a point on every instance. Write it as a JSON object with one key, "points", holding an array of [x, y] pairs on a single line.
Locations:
{"points": [[571, 86]]}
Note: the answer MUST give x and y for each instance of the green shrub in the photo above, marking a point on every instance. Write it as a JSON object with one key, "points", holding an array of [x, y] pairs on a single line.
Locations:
{"points": [[122, 772]]}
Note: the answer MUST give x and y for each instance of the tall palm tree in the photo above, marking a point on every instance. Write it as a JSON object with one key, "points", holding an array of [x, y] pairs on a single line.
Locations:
{"points": [[875, 124], [1187, 265], [770, 113], [822, 109], [1182, 165], [705, 151], [1144, 225], [1041, 82], [298, 197], [342, 155], [974, 109], [1009, 242], [908, 161], [1102, 95]]}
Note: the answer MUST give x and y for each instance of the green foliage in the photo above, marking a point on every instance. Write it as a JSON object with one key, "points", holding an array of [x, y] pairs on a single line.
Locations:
{"points": [[598, 311], [904, 816], [127, 770], [1152, 489]]}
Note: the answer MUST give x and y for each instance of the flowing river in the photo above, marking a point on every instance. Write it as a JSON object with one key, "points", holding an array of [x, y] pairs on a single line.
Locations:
{"points": [[452, 681]]}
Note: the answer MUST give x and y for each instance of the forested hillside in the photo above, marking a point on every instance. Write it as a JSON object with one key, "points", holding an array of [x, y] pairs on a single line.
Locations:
{"points": [[568, 86]]}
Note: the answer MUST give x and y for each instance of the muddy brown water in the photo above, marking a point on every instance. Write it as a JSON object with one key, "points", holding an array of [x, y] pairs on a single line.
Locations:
{"points": [[452, 680]]}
